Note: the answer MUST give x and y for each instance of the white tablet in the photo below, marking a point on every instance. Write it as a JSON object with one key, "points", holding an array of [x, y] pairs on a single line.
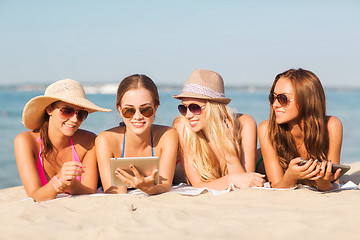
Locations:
{"points": [[145, 166]]}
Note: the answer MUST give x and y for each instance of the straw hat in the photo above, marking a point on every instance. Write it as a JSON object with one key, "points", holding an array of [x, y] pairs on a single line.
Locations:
{"points": [[204, 84], [67, 90]]}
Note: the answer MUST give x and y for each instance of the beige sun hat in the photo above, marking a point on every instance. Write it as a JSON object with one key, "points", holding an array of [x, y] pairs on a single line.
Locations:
{"points": [[67, 90], [204, 84]]}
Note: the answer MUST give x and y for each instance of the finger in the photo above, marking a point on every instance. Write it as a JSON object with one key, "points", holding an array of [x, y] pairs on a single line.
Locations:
{"points": [[323, 168], [328, 172], [329, 167], [125, 173], [153, 174], [311, 167], [337, 174], [312, 174], [306, 165], [259, 175], [123, 178], [136, 172]]}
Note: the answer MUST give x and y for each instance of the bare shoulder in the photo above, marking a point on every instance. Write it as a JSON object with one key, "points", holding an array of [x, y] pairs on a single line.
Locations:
{"points": [[263, 126], [27, 137], [335, 127], [334, 123], [111, 133], [246, 120], [165, 132]]}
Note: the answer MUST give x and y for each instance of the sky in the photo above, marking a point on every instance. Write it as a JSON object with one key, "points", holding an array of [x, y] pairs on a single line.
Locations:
{"points": [[247, 42]]}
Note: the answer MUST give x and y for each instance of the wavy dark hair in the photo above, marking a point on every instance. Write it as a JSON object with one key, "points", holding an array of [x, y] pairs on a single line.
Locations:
{"points": [[48, 152], [310, 100]]}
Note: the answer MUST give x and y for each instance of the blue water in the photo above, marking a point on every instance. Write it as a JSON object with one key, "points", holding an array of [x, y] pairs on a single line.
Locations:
{"points": [[343, 104]]}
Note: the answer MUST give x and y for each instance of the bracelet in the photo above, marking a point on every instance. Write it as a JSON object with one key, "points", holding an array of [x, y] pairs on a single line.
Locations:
{"points": [[56, 188]]}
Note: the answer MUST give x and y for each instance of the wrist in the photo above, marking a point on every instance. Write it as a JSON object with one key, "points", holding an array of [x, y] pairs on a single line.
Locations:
{"points": [[290, 179], [323, 185], [54, 179]]}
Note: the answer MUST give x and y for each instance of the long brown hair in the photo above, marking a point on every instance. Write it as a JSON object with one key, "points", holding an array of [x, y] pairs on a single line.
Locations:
{"points": [[310, 100], [48, 152], [136, 81]]}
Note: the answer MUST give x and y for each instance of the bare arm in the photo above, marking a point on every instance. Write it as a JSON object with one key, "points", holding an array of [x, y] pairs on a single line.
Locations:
{"points": [[335, 129], [89, 177], [248, 142], [273, 169], [104, 153], [25, 148]]}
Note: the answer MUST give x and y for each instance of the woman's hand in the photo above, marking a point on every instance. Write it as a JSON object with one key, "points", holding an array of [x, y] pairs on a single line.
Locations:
{"points": [[67, 175], [144, 183], [326, 177], [326, 172], [310, 170], [247, 179]]}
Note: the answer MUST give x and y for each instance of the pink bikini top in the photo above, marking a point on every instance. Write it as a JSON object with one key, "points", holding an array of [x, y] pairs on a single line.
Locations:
{"points": [[40, 165]]}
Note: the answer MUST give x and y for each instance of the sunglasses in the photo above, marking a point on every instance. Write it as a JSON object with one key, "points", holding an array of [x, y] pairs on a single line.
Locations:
{"points": [[69, 112], [194, 109], [281, 98], [129, 112]]}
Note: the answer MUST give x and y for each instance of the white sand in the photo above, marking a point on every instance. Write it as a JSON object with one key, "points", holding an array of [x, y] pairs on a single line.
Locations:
{"points": [[241, 214]]}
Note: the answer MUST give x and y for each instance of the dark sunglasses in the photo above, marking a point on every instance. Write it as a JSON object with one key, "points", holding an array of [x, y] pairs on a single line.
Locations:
{"points": [[281, 98], [129, 112], [69, 112], [194, 109]]}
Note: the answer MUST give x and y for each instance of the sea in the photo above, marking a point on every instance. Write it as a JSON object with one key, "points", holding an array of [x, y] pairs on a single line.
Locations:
{"points": [[343, 103]]}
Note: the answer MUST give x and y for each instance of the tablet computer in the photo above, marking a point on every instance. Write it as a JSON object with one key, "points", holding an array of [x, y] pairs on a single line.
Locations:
{"points": [[344, 168], [145, 166]]}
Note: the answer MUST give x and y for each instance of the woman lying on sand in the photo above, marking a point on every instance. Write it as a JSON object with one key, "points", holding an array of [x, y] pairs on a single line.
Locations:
{"points": [[217, 147], [137, 102], [299, 129], [56, 156]]}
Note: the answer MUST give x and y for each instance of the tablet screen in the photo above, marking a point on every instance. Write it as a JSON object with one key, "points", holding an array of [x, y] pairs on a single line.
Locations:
{"points": [[145, 166]]}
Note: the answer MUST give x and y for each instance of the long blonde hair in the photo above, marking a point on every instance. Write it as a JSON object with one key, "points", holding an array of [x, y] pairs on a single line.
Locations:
{"points": [[222, 128]]}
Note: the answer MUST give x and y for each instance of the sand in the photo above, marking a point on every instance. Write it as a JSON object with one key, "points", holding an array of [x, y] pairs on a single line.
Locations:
{"points": [[241, 214]]}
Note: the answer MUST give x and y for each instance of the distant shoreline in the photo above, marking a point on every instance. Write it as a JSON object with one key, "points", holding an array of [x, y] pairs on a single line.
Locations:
{"points": [[110, 88]]}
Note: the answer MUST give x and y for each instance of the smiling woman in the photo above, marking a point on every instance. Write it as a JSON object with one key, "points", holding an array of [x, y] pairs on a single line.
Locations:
{"points": [[137, 102], [51, 158], [217, 147], [299, 129]]}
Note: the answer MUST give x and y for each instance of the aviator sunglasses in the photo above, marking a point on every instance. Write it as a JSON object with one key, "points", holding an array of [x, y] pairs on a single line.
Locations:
{"points": [[281, 98], [194, 109], [129, 112], [69, 112]]}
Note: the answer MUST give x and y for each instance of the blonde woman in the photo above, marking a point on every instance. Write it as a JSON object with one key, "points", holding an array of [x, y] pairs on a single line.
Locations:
{"points": [[299, 129], [56, 156], [137, 102], [217, 147]]}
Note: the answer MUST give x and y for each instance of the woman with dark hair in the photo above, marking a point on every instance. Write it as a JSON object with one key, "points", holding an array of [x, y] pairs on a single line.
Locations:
{"points": [[56, 156], [299, 129], [137, 102]]}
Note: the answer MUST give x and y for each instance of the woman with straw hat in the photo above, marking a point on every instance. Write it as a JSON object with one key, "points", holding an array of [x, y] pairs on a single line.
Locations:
{"points": [[56, 156], [217, 147], [137, 102]]}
